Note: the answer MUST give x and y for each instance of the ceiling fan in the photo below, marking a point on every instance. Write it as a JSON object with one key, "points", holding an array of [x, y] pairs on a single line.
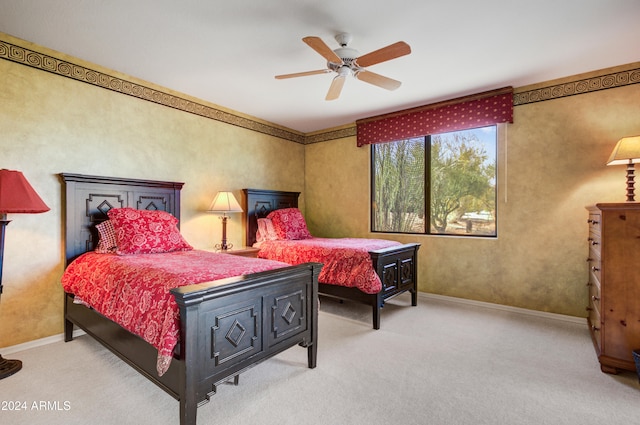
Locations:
{"points": [[346, 61]]}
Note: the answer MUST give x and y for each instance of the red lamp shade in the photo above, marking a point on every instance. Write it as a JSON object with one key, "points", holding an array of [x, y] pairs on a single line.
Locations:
{"points": [[17, 195]]}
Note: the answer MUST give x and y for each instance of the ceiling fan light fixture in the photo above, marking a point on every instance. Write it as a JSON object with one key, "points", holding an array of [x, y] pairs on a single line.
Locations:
{"points": [[344, 71]]}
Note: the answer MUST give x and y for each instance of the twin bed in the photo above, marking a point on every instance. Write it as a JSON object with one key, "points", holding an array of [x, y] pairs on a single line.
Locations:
{"points": [[223, 325], [395, 265]]}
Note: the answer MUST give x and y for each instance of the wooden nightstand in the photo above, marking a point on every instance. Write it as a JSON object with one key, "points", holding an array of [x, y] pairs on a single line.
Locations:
{"points": [[245, 251]]}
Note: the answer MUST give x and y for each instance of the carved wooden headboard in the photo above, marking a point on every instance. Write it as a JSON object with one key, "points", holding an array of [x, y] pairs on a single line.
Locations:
{"points": [[260, 203], [87, 199]]}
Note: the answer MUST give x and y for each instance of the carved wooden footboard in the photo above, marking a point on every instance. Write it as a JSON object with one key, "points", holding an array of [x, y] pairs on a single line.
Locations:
{"points": [[227, 326], [398, 271], [396, 266], [234, 324]]}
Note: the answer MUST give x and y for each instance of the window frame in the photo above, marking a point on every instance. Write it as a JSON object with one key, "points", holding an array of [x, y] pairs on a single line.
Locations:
{"points": [[427, 193]]}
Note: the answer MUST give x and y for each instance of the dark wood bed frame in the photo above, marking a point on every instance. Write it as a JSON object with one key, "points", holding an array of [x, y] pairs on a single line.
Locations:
{"points": [[397, 266], [227, 326]]}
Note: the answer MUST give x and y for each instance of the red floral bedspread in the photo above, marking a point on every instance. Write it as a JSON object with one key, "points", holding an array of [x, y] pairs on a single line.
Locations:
{"points": [[134, 290], [346, 260]]}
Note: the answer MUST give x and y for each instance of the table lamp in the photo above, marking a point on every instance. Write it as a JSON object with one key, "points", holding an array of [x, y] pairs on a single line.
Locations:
{"points": [[224, 203], [627, 151]]}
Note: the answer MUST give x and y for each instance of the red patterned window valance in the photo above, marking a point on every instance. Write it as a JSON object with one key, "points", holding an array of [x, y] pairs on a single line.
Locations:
{"points": [[479, 110]]}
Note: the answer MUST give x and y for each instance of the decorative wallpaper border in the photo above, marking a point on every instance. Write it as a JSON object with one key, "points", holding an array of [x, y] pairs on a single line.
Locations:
{"points": [[603, 82], [330, 135], [47, 63], [34, 59]]}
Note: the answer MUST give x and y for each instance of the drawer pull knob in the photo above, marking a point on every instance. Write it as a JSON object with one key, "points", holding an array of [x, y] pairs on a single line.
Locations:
{"points": [[592, 221], [593, 297], [595, 269], [594, 242], [594, 328]]}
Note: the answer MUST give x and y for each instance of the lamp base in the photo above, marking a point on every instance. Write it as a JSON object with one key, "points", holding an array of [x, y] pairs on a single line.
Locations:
{"points": [[630, 182], [223, 246], [9, 367]]}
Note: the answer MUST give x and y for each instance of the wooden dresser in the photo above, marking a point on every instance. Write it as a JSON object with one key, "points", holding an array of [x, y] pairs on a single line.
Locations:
{"points": [[614, 283]]}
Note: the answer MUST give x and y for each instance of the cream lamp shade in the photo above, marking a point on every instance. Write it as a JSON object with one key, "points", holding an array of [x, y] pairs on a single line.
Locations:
{"points": [[627, 151], [224, 202]]}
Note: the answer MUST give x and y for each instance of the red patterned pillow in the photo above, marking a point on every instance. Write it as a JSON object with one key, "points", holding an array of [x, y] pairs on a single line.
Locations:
{"points": [[146, 232], [289, 224], [107, 242]]}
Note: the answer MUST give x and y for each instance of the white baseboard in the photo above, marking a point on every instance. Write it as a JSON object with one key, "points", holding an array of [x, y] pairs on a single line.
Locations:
{"points": [[554, 316], [37, 343]]}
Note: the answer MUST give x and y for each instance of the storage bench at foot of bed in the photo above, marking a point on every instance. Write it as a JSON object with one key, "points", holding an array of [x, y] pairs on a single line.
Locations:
{"points": [[397, 268]]}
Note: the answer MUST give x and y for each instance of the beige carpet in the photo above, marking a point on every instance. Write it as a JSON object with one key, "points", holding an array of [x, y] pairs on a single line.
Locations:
{"points": [[438, 363]]}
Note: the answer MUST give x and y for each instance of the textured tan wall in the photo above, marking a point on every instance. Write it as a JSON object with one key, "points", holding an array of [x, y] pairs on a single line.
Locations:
{"points": [[555, 153], [51, 124]]}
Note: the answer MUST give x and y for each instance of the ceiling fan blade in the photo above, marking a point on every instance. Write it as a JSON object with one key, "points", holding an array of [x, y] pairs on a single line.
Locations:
{"points": [[378, 80], [386, 53], [336, 87], [320, 46], [302, 74]]}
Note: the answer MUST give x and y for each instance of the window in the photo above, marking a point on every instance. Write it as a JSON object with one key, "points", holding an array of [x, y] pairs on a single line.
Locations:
{"points": [[441, 184]]}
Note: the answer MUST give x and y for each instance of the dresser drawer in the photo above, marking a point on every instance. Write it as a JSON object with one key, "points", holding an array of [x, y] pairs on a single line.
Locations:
{"points": [[594, 294], [595, 266], [595, 320], [595, 241], [595, 222], [595, 324]]}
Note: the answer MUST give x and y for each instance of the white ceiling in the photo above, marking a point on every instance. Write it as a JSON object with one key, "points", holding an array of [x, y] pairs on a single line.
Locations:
{"points": [[228, 51]]}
